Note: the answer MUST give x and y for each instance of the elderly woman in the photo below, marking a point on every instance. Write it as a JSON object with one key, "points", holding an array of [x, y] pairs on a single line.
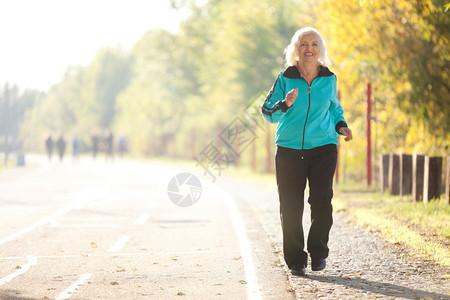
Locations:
{"points": [[304, 104]]}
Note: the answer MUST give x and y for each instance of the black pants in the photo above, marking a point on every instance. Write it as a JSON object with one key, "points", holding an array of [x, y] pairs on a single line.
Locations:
{"points": [[293, 168]]}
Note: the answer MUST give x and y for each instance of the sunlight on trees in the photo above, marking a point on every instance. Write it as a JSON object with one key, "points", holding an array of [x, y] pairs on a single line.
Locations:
{"points": [[176, 91]]}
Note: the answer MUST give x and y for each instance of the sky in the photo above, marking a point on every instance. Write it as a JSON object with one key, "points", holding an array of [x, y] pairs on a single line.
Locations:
{"points": [[39, 39]]}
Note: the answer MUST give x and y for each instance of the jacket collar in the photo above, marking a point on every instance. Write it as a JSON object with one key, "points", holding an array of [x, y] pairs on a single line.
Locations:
{"points": [[293, 73]]}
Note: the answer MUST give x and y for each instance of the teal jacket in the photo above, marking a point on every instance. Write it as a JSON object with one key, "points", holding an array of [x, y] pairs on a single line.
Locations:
{"points": [[315, 117]]}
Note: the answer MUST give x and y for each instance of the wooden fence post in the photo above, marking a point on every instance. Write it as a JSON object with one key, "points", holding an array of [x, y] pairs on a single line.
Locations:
{"points": [[394, 171], [436, 164], [426, 178], [432, 178], [447, 181], [405, 174], [384, 172], [418, 176]]}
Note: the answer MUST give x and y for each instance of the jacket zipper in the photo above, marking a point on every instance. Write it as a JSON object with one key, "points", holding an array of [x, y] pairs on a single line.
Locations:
{"points": [[306, 119]]}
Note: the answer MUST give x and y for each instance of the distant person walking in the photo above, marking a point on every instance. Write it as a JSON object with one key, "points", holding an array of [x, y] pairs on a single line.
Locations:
{"points": [[123, 145], [109, 145], [61, 146], [49, 146], [75, 147], [304, 103], [95, 145]]}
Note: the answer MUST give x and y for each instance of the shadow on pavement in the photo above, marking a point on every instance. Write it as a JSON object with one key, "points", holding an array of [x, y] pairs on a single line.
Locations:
{"points": [[13, 295], [387, 289]]}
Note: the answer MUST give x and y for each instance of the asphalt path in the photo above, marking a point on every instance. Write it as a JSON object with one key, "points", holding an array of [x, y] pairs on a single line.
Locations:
{"points": [[94, 229]]}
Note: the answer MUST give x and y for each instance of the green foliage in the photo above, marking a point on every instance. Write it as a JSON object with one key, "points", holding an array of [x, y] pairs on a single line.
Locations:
{"points": [[155, 100], [81, 104], [189, 85], [13, 107], [176, 92], [402, 47]]}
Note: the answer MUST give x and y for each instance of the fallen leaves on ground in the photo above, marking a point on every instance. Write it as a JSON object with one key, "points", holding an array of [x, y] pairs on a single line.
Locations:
{"points": [[314, 290]]}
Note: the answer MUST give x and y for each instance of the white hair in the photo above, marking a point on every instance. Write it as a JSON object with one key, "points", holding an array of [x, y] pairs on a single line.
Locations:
{"points": [[291, 50]]}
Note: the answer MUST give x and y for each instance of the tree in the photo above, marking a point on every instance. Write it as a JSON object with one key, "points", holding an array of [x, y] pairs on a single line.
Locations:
{"points": [[84, 100], [150, 108], [195, 81], [402, 48], [103, 80]]}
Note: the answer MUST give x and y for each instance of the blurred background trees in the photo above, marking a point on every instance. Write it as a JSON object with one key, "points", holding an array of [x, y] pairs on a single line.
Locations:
{"points": [[175, 92], [402, 47]]}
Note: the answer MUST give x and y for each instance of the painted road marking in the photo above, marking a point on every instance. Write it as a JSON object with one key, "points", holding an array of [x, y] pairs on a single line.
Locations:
{"points": [[54, 216], [32, 260], [91, 225], [131, 254], [119, 244], [71, 289], [246, 253], [43, 221], [142, 220]]}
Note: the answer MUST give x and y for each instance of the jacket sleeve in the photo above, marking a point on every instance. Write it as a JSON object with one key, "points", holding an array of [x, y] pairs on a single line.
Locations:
{"points": [[336, 109], [274, 106]]}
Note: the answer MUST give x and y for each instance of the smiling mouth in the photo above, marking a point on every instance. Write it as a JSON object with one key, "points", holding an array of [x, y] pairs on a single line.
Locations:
{"points": [[309, 54]]}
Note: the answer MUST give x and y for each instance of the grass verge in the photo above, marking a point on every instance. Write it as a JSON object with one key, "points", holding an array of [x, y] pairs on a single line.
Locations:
{"points": [[423, 230]]}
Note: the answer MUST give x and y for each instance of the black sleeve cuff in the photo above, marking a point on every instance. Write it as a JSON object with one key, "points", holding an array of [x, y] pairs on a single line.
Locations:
{"points": [[340, 125], [283, 106]]}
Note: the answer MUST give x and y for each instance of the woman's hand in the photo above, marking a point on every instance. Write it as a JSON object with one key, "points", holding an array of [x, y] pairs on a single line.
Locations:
{"points": [[347, 132], [290, 97]]}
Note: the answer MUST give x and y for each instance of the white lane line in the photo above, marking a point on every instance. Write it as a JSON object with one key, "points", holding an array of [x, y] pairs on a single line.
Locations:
{"points": [[32, 260], [194, 253], [253, 291], [43, 221], [141, 220], [71, 289], [48, 219], [119, 244], [91, 225]]}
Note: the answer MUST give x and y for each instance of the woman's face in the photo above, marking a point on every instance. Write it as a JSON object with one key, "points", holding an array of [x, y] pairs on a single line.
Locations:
{"points": [[308, 50]]}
